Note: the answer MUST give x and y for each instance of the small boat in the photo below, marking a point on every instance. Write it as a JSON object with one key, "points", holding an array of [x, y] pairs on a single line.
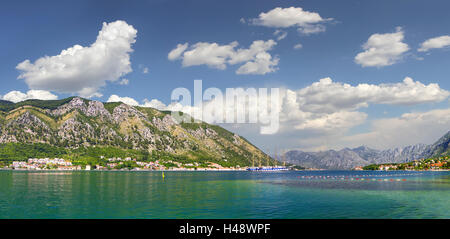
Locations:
{"points": [[267, 169]]}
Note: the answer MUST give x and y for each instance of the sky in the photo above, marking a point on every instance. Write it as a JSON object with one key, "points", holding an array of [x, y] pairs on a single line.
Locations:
{"points": [[351, 73]]}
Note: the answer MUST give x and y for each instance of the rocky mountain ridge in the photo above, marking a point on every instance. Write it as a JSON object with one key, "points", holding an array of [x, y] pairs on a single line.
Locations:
{"points": [[349, 158], [76, 122]]}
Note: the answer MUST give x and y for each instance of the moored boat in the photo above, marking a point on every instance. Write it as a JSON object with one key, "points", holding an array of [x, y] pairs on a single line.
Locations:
{"points": [[268, 169]]}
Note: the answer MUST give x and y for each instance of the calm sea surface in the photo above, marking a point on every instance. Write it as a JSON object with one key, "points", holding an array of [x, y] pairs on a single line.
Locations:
{"points": [[302, 194]]}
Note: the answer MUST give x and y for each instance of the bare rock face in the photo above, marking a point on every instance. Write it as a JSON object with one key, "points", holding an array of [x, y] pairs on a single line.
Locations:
{"points": [[75, 103], [124, 112], [210, 133], [147, 134], [198, 133], [92, 109], [165, 123], [28, 119], [96, 108], [72, 129], [27, 126], [236, 139]]}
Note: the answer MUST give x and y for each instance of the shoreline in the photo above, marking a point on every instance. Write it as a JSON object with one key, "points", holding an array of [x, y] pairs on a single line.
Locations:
{"points": [[218, 170]]}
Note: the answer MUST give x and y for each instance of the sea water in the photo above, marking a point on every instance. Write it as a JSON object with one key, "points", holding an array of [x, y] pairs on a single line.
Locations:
{"points": [[294, 194]]}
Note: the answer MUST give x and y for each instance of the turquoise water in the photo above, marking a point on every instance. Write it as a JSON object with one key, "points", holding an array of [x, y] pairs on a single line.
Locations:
{"points": [[299, 194]]}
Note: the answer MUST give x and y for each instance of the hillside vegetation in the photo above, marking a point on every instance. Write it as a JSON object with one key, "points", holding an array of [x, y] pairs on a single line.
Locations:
{"points": [[83, 130]]}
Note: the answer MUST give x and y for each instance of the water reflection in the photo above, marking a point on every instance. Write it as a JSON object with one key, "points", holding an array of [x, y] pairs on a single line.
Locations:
{"points": [[305, 194]]}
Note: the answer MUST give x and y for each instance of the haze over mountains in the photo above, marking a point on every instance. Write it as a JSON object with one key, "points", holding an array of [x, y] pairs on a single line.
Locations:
{"points": [[349, 158]]}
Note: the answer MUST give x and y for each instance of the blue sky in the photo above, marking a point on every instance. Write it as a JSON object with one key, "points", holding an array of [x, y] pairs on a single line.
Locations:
{"points": [[31, 30]]}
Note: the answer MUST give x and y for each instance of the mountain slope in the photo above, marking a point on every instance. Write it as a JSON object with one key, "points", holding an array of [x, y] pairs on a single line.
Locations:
{"points": [[343, 159], [75, 123], [442, 146], [363, 156]]}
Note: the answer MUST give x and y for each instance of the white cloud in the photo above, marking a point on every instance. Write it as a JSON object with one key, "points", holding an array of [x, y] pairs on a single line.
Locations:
{"points": [[124, 82], [324, 112], [83, 70], [210, 54], [280, 34], [145, 70], [320, 115], [329, 96], [306, 22], [408, 129], [311, 29], [333, 121], [256, 59], [297, 114], [126, 100], [154, 103], [298, 46], [383, 49], [177, 51], [325, 105], [17, 96], [262, 64], [433, 43]]}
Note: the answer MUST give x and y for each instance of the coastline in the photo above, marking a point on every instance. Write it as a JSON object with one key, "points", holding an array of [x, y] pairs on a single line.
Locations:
{"points": [[215, 170], [117, 170]]}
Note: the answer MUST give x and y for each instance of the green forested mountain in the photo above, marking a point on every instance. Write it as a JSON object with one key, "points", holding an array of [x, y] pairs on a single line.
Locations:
{"points": [[80, 129]]}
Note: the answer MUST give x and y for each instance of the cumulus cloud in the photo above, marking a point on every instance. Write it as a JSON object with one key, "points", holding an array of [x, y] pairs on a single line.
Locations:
{"points": [[126, 100], [256, 58], [296, 114], [323, 113], [83, 70], [318, 116], [305, 22], [433, 43], [154, 103], [210, 54], [333, 121], [17, 96], [408, 129], [262, 64], [329, 96], [177, 51], [325, 105], [383, 49]]}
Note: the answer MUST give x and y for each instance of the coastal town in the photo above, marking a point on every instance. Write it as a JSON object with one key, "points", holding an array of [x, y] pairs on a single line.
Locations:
{"points": [[434, 164], [131, 164], [123, 164]]}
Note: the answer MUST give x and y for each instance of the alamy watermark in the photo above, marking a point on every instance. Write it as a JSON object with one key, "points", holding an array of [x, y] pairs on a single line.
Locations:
{"points": [[235, 106]]}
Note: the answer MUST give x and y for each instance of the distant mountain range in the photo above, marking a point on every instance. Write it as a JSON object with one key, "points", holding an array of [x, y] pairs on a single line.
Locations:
{"points": [[349, 158]]}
